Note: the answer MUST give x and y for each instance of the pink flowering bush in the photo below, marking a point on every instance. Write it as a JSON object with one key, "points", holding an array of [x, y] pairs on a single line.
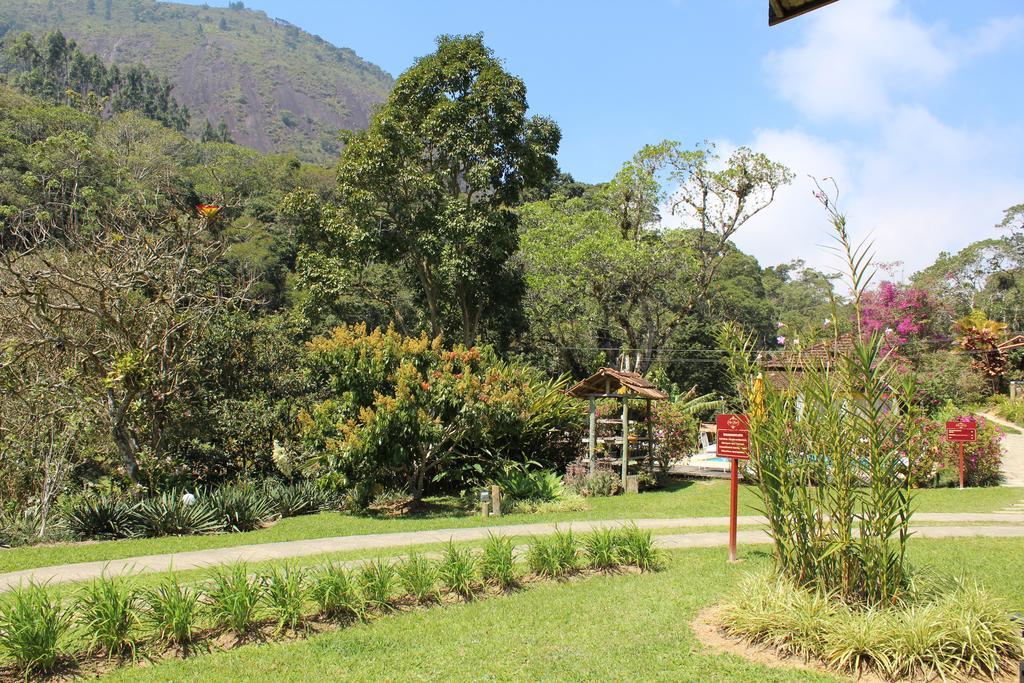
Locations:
{"points": [[935, 461], [902, 314]]}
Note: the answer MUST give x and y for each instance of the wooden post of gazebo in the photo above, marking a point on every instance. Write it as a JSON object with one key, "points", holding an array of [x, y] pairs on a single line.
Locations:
{"points": [[592, 441], [621, 386], [625, 440]]}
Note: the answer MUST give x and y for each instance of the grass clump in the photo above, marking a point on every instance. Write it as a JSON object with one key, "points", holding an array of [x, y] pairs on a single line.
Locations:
{"points": [[419, 578], [378, 582], [601, 550], [172, 611], [498, 565], [33, 626], [635, 547], [336, 593], [954, 629], [108, 613], [285, 591], [234, 600], [458, 571], [554, 556]]}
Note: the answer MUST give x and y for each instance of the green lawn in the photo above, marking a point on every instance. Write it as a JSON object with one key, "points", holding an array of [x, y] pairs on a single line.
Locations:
{"points": [[682, 499], [625, 627]]}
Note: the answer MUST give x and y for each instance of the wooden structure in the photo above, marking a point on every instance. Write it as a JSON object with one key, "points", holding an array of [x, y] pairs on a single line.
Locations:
{"points": [[784, 10], [784, 366], [622, 386], [1014, 342]]}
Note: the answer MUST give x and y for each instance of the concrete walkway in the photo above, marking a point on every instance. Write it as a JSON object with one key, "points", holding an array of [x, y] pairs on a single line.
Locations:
{"points": [[1013, 454], [1010, 524]]}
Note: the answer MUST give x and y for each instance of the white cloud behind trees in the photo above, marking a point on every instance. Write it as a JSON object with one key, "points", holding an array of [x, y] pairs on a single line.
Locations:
{"points": [[862, 79]]}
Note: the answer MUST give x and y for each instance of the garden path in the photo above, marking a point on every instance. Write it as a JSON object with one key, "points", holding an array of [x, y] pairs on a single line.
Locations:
{"points": [[1013, 455], [1010, 524]]}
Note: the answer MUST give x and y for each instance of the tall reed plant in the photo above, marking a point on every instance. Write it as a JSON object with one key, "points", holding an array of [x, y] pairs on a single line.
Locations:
{"points": [[829, 445]]}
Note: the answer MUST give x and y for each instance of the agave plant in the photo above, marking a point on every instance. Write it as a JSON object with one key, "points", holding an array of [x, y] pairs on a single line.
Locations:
{"points": [[100, 516], [299, 498], [174, 513], [242, 507]]}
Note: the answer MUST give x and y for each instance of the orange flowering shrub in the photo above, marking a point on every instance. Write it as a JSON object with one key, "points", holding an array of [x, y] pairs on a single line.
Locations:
{"points": [[404, 412]]}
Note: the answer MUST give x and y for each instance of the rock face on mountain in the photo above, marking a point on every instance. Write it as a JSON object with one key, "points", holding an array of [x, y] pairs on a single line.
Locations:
{"points": [[276, 86]]}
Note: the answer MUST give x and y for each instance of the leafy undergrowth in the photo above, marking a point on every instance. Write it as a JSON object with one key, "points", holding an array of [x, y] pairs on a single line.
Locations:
{"points": [[113, 623], [949, 629]]}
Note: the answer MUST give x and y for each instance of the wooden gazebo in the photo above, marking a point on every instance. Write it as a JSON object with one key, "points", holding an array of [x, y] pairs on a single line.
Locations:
{"points": [[622, 386]]}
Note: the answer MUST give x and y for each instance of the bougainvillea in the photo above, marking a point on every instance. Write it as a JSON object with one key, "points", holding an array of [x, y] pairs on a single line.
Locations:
{"points": [[676, 433], [903, 314]]}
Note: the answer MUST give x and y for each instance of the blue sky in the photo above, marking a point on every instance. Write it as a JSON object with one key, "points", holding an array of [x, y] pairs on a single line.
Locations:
{"points": [[913, 105]]}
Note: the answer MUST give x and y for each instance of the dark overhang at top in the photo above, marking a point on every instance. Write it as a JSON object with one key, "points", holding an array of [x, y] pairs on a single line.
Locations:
{"points": [[781, 10]]}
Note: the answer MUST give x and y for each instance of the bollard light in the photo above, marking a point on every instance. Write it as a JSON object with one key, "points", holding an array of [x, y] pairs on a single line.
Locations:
{"points": [[485, 496]]}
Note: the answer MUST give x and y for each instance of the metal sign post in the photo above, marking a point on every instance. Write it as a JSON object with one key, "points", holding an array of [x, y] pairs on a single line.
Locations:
{"points": [[733, 442], [960, 432]]}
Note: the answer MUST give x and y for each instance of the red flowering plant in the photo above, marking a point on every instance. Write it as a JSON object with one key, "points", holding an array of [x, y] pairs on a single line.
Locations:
{"points": [[934, 461]]}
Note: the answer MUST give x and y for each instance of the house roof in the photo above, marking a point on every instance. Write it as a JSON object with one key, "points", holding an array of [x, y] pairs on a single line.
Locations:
{"points": [[822, 352], [609, 382], [781, 10], [779, 366]]}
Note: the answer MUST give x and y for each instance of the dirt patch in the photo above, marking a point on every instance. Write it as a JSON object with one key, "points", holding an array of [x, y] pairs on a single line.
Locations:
{"points": [[707, 628]]}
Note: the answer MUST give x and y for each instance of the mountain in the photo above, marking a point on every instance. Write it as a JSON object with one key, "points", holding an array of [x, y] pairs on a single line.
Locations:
{"points": [[276, 87]]}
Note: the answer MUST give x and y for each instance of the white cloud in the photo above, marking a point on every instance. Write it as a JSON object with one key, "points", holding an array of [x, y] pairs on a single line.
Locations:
{"points": [[852, 56], [917, 188], [915, 184]]}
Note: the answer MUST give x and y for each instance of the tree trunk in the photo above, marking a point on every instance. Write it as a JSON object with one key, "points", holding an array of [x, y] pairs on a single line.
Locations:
{"points": [[123, 437]]}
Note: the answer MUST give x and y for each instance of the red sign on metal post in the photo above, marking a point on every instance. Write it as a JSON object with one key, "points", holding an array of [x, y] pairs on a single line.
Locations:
{"points": [[957, 431], [961, 432], [733, 441]]}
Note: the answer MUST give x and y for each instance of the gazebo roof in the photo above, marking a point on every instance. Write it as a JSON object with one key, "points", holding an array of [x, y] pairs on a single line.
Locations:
{"points": [[613, 383]]}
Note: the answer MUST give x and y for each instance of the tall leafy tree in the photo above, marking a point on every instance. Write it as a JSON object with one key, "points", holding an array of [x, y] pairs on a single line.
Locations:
{"points": [[608, 282], [432, 184]]}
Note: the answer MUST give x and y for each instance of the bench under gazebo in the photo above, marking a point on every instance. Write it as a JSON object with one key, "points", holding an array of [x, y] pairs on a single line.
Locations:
{"points": [[608, 383]]}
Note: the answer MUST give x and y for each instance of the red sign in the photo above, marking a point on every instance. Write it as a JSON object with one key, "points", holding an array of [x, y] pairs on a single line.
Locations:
{"points": [[957, 431], [733, 439]]}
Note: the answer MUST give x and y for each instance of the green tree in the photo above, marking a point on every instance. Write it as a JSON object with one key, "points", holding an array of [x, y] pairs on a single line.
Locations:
{"points": [[432, 184], [801, 297], [607, 282]]}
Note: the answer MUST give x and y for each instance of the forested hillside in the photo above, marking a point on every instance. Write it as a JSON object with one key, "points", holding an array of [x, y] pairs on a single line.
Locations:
{"points": [[275, 86]]}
